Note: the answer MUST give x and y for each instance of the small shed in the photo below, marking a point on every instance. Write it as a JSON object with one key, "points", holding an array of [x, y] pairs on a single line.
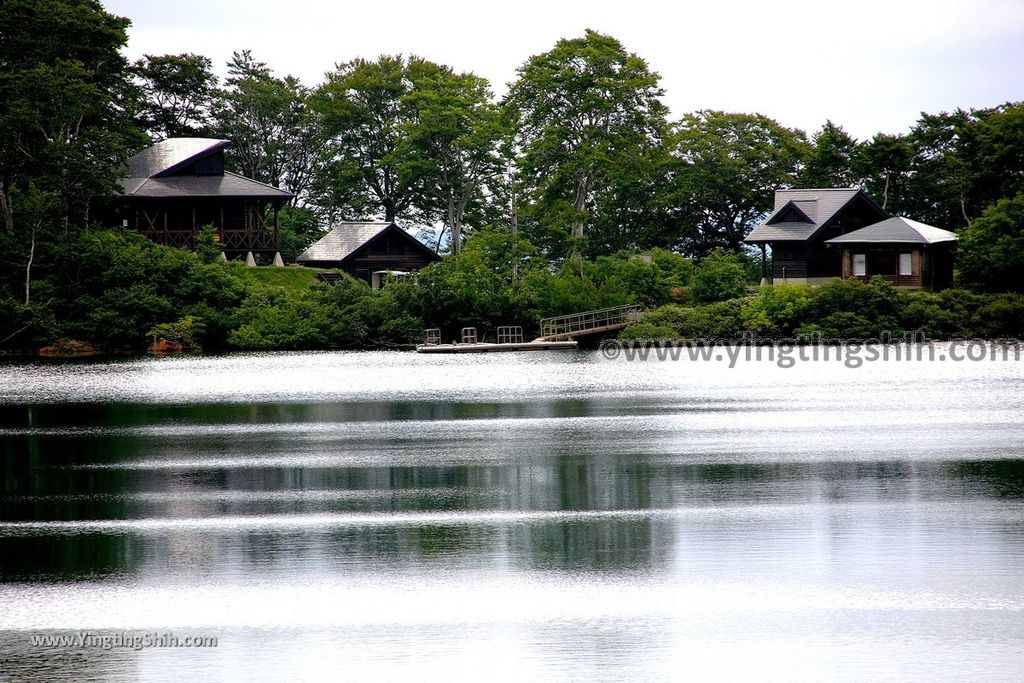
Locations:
{"points": [[902, 251], [365, 249]]}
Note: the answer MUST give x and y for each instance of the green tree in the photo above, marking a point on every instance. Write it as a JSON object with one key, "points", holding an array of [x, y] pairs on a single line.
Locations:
{"points": [[884, 163], [579, 110], [991, 250], [999, 159], [177, 93], [941, 171], [727, 168], [274, 137], [830, 162], [719, 276], [452, 142], [65, 124], [365, 113]]}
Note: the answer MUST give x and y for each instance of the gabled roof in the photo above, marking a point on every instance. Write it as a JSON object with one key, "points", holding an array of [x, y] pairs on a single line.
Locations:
{"points": [[149, 173], [168, 155], [897, 230], [344, 239], [801, 210], [819, 205]]}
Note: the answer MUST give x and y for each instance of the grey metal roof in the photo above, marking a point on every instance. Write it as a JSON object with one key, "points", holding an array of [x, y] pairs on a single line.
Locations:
{"points": [[172, 153], [341, 241], [820, 205], [896, 230], [782, 232], [227, 185]]}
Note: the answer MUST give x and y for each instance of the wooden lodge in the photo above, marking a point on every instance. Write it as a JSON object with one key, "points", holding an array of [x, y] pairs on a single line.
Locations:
{"points": [[368, 251], [177, 186], [904, 252], [816, 235]]}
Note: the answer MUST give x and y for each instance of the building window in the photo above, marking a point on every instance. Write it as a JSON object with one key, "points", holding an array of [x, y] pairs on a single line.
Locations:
{"points": [[906, 265], [860, 265]]}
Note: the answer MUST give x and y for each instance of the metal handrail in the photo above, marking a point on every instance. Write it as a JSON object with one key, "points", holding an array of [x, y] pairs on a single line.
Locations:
{"points": [[588, 320]]}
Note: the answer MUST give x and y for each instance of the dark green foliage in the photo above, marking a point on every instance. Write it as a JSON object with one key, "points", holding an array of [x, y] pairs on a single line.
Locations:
{"points": [[583, 111], [840, 310], [299, 229], [991, 250], [719, 276], [64, 110], [831, 160], [726, 168], [111, 287], [207, 247], [188, 332], [177, 93]]}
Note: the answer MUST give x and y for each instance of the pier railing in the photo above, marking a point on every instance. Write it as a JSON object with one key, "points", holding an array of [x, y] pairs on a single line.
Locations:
{"points": [[589, 322]]}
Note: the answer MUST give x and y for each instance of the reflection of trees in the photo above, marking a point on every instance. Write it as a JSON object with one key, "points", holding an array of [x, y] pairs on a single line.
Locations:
{"points": [[999, 478]]}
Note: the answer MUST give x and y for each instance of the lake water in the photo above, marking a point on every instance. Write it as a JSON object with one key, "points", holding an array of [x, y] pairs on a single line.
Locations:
{"points": [[540, 516]]}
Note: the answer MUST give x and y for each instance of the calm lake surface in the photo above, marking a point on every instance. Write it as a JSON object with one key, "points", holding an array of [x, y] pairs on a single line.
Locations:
{"points": [[540, 516]]}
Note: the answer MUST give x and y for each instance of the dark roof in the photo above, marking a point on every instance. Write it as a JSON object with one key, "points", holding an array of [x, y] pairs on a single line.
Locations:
{"points": [[149, 173], [227, 185], [170, 154], [820, 205], [344, 239], [897, 230]]}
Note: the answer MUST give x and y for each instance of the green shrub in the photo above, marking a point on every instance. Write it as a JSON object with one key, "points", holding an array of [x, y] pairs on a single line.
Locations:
{"points": [[720, 276], [188, 332]]}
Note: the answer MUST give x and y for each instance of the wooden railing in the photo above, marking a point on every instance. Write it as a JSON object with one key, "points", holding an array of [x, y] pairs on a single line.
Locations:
{"points": [[589, 322]]}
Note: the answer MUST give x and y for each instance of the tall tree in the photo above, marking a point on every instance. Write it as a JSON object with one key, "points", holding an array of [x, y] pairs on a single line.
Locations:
{"points": [[831, 159], [177, 93], [64, 92], [452, 143], [727, 168], [941, 171], [991, 248], [365, 112], [884, 165], [580, 108], [999, 157], [271, 127]]}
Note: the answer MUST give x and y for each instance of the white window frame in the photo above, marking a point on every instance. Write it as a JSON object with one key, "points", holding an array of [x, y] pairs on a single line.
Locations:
{"points": [[860, 265], [909, 270]]}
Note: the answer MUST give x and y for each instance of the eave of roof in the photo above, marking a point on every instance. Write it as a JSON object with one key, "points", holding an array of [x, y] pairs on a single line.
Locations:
{"points": [[229, 185], [345, 239], [896, 230]]}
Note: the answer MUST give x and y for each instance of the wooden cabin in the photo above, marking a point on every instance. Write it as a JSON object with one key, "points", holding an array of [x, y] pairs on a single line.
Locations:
{"points": [[177, 186], [817, 235], [800, 224], [368, 251], [902, 251]]}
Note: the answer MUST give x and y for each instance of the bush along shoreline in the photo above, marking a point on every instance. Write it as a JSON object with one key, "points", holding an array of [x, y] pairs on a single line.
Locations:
{"points": [[102, 292]]}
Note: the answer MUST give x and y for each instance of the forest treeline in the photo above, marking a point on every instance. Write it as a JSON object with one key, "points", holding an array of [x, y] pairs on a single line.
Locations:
{"points": [[579, 164]]}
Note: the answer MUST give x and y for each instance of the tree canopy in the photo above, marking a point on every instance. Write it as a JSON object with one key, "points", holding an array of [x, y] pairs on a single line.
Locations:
{"points": [[581, 110]]}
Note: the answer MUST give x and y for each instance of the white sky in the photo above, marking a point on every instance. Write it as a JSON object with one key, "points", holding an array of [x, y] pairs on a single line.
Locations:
{"points": [[870, 66]]}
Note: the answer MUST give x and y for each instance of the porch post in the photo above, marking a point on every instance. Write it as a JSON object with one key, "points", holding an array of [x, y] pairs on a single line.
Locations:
{"points": [[764, 264], [277, 225]]}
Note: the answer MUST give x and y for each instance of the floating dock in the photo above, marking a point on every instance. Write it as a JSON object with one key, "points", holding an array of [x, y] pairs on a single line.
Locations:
{"points": [[485, 347]]}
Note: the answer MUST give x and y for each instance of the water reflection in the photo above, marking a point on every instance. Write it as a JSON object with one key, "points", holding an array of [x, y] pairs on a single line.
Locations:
{"points": [[566, 516]]}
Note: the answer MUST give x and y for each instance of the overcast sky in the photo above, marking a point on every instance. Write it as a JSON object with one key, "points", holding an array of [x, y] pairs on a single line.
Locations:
{"points": [[869, 66]]}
